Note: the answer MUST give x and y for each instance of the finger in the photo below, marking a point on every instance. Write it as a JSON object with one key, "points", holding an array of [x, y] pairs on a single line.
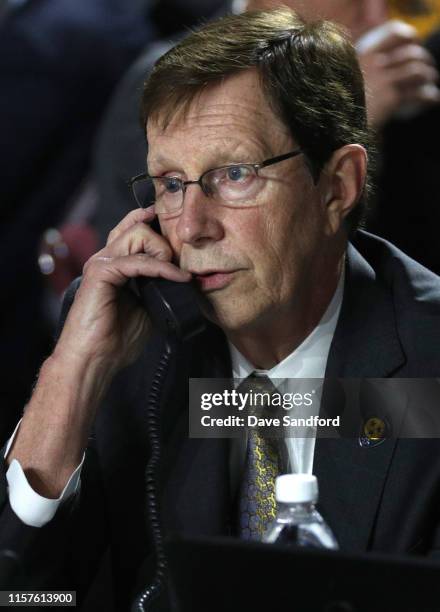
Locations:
{"points": [[393, 34], [427, 95], [412, 76], [406, 54], [116, 271], [138, 215], [139, 238]]}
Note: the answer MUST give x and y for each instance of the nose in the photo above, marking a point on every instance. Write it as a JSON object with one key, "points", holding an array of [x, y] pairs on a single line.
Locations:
{"points": [[199, 221]]}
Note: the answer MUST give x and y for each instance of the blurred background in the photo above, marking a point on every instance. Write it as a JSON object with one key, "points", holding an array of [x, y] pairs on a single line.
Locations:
{"points": [[71, 74], [424, 15]]}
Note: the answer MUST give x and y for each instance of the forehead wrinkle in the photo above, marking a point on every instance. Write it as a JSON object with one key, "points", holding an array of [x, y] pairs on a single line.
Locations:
{"points": [[211, 115], [217, 111], [225, 150], [239, 134], [218, 136], [220, 124], [210, 128]]}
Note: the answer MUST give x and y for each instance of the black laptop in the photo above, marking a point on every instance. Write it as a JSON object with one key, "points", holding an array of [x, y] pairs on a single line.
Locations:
{"points": [[228, 575]]}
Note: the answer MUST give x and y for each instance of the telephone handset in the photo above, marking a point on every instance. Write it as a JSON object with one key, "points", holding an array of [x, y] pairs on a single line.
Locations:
{"points": [[172, 307]]}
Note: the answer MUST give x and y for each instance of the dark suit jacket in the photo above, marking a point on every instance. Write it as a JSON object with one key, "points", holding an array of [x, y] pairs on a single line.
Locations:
{"points": [[384, 498]]}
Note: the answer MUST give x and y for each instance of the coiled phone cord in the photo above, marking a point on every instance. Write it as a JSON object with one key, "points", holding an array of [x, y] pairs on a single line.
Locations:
{"points": [[149, 594]]}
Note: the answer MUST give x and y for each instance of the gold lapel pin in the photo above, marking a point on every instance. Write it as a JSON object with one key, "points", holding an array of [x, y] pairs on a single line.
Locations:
{"points": [[374, 431]]}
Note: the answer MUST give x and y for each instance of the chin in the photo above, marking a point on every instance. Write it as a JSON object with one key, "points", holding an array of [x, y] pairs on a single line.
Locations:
{"points": [[232, 316]]}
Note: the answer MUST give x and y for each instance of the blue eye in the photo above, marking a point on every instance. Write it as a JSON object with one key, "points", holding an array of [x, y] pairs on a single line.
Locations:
{"points": [[238, 173], [172, 184]]}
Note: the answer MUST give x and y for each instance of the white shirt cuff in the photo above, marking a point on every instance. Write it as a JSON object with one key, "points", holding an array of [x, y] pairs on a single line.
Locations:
{"points": [[30, 507]]}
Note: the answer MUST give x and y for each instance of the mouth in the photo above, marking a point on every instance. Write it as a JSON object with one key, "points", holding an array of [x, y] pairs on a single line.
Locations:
{"points": [[211, 280]]}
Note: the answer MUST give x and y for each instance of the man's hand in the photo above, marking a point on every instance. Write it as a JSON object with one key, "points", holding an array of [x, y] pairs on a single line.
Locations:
{"points": [[399, 72], [105, 330], [106, 322]]}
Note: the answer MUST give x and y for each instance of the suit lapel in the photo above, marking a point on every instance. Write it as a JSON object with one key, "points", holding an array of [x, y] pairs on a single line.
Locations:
{"points": [[365, 345]]}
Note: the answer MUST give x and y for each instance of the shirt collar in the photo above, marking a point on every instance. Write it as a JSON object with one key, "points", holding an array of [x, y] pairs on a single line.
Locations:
{"points": [[309, 359]]}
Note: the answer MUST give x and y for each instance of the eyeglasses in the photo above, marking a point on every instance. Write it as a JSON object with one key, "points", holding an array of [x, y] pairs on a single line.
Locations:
{"points": [[234, 186]]}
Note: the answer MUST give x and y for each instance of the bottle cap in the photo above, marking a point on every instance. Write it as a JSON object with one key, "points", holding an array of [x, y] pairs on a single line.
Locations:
{"points": [[296, 488]]}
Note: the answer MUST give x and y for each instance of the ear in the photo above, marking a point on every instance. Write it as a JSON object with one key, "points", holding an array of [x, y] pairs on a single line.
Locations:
{"points": [[344, 177]]}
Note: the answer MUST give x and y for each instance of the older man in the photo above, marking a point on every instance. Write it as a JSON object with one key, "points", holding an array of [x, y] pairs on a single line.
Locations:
{"points": [[257, 137]]}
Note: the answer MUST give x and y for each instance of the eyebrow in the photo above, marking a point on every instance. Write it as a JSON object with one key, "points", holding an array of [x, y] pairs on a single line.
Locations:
{"points": [[159, 160], [218, 160]]}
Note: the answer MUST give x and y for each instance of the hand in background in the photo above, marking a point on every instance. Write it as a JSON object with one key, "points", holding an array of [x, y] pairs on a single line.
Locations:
{"points": [[400, 74]]}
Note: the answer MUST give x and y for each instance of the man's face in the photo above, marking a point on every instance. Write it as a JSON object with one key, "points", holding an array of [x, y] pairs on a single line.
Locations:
{"points": [[358, 16], [253, 263]]}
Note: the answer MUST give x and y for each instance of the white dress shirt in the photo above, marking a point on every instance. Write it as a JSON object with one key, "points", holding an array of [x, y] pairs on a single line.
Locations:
{"points": [[308, 360]]}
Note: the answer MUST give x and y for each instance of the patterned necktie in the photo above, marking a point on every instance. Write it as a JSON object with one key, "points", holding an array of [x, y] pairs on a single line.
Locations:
{"points": [[257, 506]]}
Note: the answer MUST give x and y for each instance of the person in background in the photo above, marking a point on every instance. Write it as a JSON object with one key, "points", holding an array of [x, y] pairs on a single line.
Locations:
{"points": [[396, 67]]}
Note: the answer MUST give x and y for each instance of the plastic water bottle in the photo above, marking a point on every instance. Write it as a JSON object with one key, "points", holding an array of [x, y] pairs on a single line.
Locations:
{"points": [[297, 521]]}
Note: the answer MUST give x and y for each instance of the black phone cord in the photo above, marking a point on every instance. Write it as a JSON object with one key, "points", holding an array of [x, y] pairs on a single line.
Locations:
{"points": [[149, 594]]}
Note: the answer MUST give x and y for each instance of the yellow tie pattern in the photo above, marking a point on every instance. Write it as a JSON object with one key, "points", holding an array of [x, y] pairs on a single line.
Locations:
{"points": [[257, 497]]}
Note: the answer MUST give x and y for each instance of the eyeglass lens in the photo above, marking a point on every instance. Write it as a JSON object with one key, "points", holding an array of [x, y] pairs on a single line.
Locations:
{"points": [[231, 184]]}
